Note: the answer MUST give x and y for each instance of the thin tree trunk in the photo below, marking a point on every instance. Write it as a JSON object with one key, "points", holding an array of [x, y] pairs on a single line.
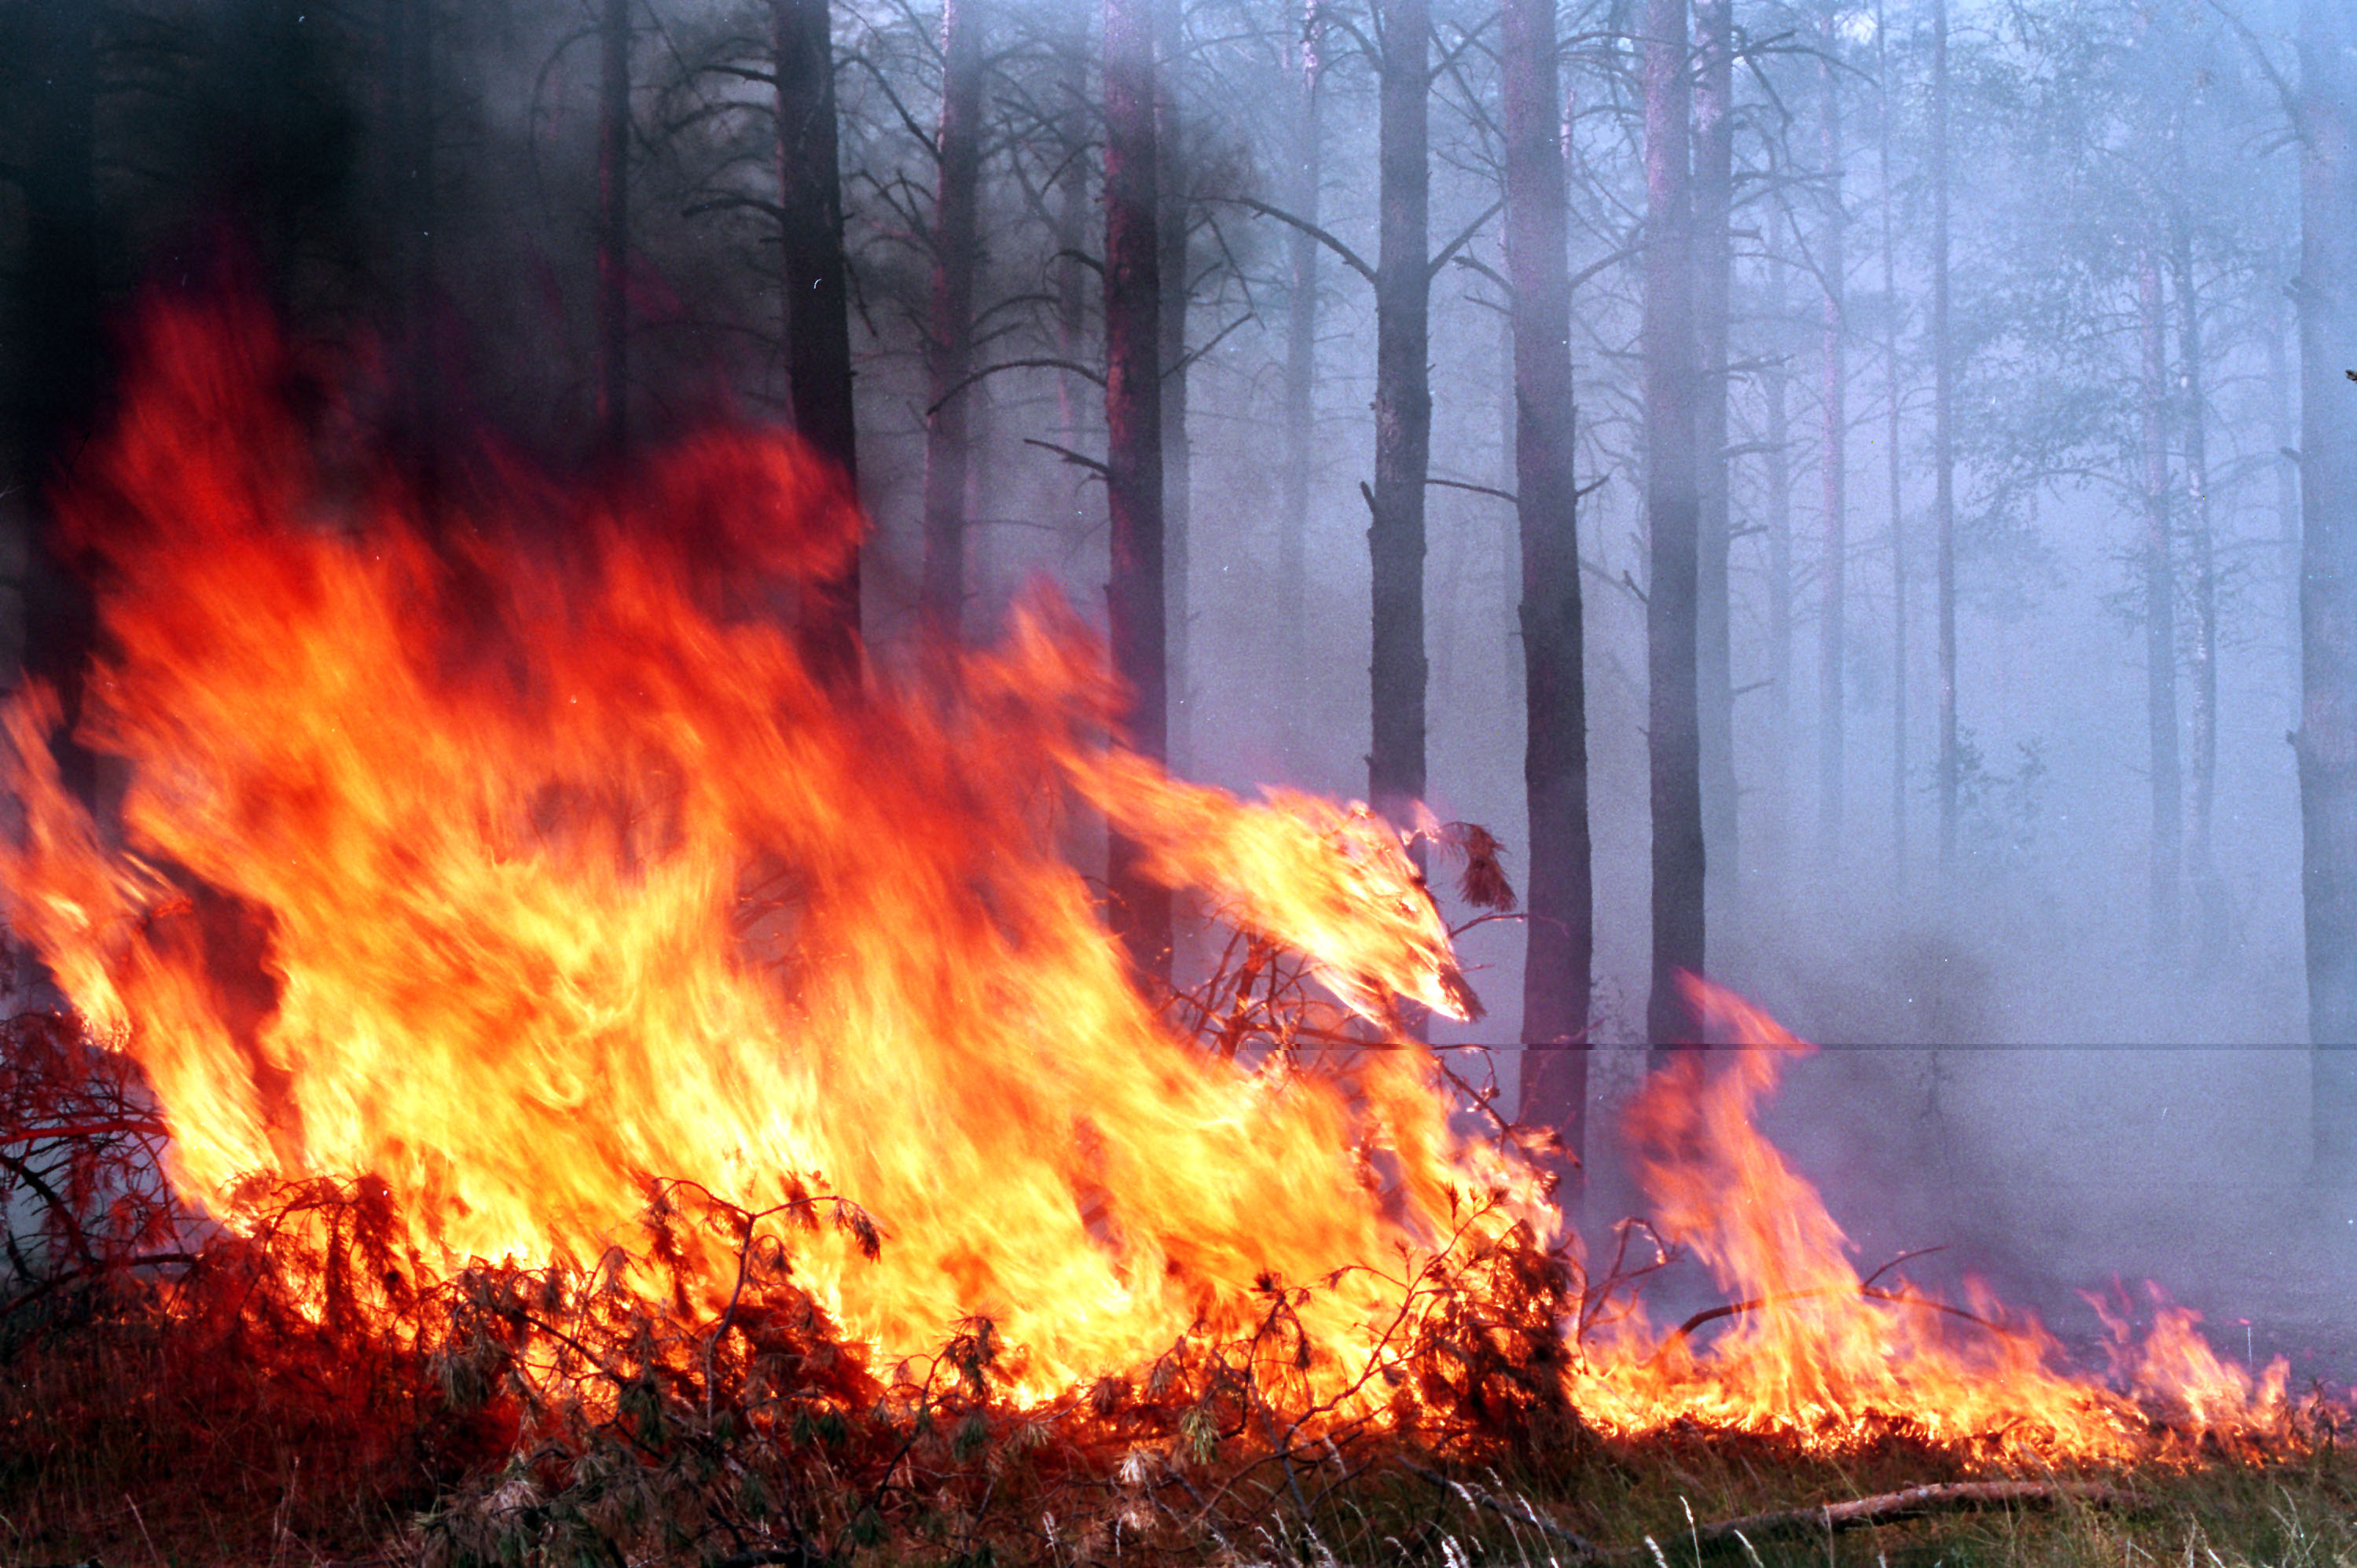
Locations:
{"points": [[1069, 271], [1776, 393], [613, 309], [59, 350], [2281, 390], [1897, 470], [1398, 671], [1943, 448], [1833, 467], [1560, 923], [1178, 468], [1673, 513], [2159, 616], [2326, 742], [1714, 196], [816, 285], [1300, 392], [949, 358], [1135, 594], [2202, 871]]}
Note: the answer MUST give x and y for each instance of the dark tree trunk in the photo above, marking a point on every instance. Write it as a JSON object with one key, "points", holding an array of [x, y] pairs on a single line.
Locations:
{"points": [[1776, 393], [1133, 300], [613, 310], [1944, 447], [1713, 197], [815, 282], [1172, 218], [410, 186], [1560, 924], [2326, 741], [53, 328], [1673, 513], [1398, 671], [2159, 616], [949, 359], [1833, 465], [2202, 871], [1300, 393], [1896, 468]]}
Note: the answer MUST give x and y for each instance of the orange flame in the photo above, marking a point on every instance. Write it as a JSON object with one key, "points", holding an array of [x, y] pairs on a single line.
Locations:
{"points": [[522, 874], [564, 879]]}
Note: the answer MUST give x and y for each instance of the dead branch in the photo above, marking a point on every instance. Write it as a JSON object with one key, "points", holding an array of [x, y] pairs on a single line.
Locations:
{"points": [[1914, 1502]]}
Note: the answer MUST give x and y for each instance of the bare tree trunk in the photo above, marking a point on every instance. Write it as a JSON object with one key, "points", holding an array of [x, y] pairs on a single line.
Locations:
{"points": [[1673, 513], [613, 310], [410, 186], [1776, 393], [1834, 465], [949, 358], [1178, 468], [1300, 391], [2202, 871], [2282, 325], [1135, 594], [1713, 197], [1896, 468], [1397, 672], [1560, 924], [815, 282], [54, 328], [2326, 742], [1944, 447], [2159, 616]]}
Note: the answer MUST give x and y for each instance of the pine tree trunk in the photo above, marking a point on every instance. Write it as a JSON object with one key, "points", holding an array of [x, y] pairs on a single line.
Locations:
{"points": [[1300, 393], [1560, 923], [1896, 469], [1714, 196], [1673, 514], [1943, 448], [1177, 468], [57, 347], [949, 357], [1833, 467], [815, 285], [1135, 594], [2160, 617], [1398, 671], [2326, 743], [2202, 871], [613, 309], [2284, 424], [1776, 393]]}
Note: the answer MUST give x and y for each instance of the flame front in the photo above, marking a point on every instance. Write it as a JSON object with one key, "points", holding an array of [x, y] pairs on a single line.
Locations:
{"points": [[512, 856], [520, 882]]}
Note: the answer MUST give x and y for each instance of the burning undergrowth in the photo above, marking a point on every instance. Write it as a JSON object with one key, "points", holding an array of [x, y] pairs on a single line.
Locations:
{"points": [[701, 1108]]}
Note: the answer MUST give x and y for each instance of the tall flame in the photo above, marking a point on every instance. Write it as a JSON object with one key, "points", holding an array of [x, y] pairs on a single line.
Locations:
{"points": [[520, 877], [514, 858]]}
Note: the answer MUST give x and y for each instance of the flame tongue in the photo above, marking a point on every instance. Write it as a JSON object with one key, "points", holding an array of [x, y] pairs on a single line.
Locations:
{"points": [[518, 886]]}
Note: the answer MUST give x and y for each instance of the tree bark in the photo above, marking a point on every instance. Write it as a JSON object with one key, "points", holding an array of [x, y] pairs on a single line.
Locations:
{"points": [[1300, 390], [1673, 513], [1560, 921], [816, 285], [2159, 617], [613, 309], [2326, 742], [2202, 871], [1833, 463], [53, 326], [1398, 671], [1896, 468], [1714, 198], [1172, 216], [1776, 393], [1943, 448], [1134, 479], [949, 357]]}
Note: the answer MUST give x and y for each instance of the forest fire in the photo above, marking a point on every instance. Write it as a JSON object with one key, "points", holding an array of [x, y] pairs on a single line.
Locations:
{"points": [[527, 887]]}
